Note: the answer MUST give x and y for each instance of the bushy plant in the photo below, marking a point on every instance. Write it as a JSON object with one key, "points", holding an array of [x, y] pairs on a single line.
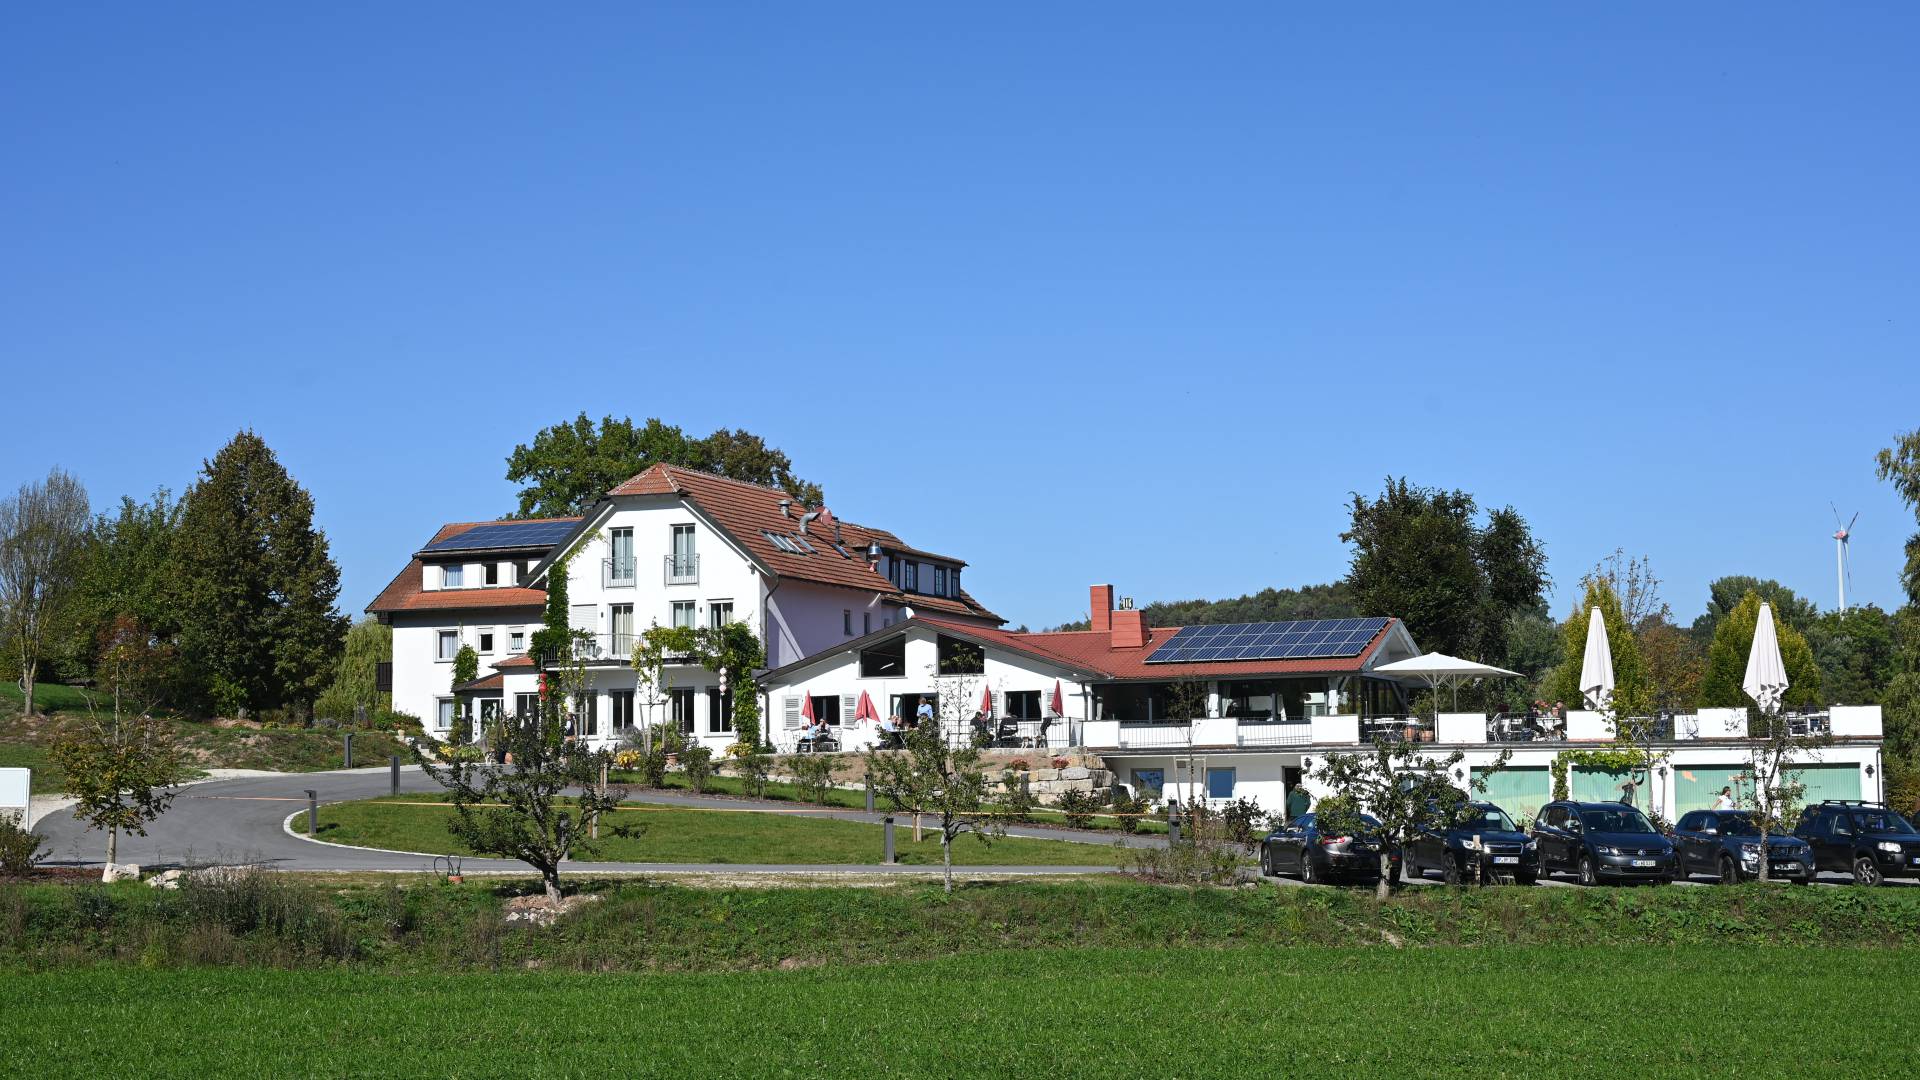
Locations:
{"points": [[1129, 810], [1243, 821], [752, 765], [697, 763], [1200, 857], [1078, 807], [653, 767], [812, 775], [1018, 801], [627, 760], [20, 847]]}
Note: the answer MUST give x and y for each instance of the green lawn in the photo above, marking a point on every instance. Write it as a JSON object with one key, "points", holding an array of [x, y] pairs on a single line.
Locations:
{"points": [[783, 791], [1297, 1013], [47, 698], [706, 836]]}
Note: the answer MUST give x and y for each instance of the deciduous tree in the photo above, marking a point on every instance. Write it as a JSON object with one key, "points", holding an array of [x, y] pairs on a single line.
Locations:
{"points": [[1727, 660], [931, 778], [1405, 790], [570, 466], [43, 528]]}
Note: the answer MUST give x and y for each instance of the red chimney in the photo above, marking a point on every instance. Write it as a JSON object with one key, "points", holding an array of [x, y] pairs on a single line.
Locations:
{"points": [[1129, 629], [1102, 607]]}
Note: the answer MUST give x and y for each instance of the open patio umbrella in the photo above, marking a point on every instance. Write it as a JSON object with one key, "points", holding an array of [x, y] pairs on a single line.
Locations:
{"points": [[1596, 667], [1437, 670], [865, 710], [1058, 704], [1766, 681]]}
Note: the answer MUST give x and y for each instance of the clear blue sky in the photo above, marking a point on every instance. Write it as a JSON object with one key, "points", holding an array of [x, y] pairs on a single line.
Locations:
{"points": [[1084, 293]]}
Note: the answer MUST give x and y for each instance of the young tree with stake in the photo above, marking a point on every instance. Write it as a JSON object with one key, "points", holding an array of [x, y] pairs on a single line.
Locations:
{"points": [[1406, 791]]}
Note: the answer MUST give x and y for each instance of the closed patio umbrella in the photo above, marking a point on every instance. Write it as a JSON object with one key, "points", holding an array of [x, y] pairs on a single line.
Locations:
{"points": [[806, 707], [1766, 681], [986, 701], [1596, 667], [1058, 704], [865, 710]]}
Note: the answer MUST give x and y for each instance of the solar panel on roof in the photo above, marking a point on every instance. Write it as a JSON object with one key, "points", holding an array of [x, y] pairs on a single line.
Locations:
{"points": [[1302, 638], [506, 534]]}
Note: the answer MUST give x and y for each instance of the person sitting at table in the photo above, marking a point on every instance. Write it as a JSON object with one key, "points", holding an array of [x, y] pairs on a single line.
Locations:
{"points": [[890, 733], [814, 730], [982, 735]]}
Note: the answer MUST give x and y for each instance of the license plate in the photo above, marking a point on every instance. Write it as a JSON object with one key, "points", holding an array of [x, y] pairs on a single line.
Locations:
{"points": [[1643, 862], [1505, 860], [1789, 866]]}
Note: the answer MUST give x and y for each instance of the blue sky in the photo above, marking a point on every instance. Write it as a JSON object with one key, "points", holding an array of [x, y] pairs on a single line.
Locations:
{"points": [[1105, 292]]}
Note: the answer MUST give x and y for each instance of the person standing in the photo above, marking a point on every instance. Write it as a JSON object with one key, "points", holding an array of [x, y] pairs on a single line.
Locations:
{"points": [[1298, 802], [1724, 801]]}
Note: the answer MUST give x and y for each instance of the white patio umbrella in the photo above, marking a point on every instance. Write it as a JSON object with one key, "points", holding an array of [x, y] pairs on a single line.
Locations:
{"points": [[1766, 681], [1438, 669], [1596, 667]]}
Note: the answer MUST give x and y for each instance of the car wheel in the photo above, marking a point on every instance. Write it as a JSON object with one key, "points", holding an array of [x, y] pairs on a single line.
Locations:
{"points": [[1865, 872], [1308, 875], [1729, 873], [1450, 871], [1266, 863], [1588, 876]]}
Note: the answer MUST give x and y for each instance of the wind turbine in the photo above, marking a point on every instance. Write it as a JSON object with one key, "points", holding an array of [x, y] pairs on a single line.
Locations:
{"points": [[1840, 538]]}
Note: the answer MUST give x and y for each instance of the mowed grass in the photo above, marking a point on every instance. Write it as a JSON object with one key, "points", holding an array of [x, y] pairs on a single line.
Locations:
{"points": [[1297, 1013], [678, 835]]}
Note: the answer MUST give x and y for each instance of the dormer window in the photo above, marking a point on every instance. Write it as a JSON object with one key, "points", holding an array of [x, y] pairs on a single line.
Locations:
{"points": [[939, 581], [953, 583], [490, 573], [453, 576]]}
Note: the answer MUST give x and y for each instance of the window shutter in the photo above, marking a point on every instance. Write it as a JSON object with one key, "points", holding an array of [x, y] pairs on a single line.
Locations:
{"points": [[792, 718], [999, 703], [848, 703]]}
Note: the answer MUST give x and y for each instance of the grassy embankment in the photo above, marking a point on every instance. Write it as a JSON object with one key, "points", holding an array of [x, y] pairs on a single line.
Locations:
{"points": [[418, 823], [24, 742]]}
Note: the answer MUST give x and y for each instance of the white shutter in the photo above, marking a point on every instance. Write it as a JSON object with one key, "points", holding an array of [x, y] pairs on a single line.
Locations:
{"points": [[848, 703], [792, 719], [999, 703]]}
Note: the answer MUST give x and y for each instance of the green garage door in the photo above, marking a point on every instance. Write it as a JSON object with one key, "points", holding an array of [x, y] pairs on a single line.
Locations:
{"points": [[1695, 787], [1588, 784], [1836, 781], [1520, 792]]}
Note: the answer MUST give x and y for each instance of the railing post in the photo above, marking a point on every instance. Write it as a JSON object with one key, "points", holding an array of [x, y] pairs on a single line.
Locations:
{"points": [[313, 811], [887, 827], [393, 775], [349, 753]]}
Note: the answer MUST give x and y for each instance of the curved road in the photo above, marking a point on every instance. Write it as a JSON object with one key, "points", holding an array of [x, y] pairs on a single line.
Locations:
{"points": [[242, 821]]}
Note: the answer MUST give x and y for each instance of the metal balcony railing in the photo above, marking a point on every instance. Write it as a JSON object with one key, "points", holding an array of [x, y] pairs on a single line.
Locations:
{"points": [[683, 569], [616, 573], [606, 647]]}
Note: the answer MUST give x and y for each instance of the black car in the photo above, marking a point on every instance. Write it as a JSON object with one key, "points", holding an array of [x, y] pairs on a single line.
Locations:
{"points": [[1864, 839], [1726, 844], [1602, 841], [1300, 849], [1484, 841]]}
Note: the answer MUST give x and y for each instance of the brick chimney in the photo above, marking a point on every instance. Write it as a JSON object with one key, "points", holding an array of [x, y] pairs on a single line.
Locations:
{"points": [[1129, 629], [1101, 606]]}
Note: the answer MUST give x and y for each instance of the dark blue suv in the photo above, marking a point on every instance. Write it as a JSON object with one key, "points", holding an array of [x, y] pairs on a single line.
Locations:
{"points": [[1602, 841], [1484, 843], [1726, 844], [1867, 840]]}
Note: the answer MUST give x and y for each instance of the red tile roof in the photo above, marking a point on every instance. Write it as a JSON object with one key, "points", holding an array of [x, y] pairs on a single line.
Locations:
{"points": [[1093, 651], [482, 685], [746, 511], [514, 662], [406, 592]]}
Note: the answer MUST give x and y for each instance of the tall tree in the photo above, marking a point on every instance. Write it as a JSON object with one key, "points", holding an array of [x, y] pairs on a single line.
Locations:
{"points": [[1632, 695], [1733, 643], [1330, 601], [127, 566], [1856, 653], [1633, 582], [42, 530], [259, 626], [1899, 465], [1419, 554], [1724, 594], [369, 644], [570, 466]]}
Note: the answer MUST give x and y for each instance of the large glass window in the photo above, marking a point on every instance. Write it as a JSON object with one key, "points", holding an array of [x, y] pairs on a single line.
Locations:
{"points": [[586, 714], [620, 550], [1251, 701], [719, 711], [887, 660], [959, 657], [1023, 704], [939, 581], [526, 705], [443, 714], [449, 644], [683, 613], [826, 708], [620, 711], [719, 613], [620, 618], [453, 576], [681, 698], [1149, 781]]}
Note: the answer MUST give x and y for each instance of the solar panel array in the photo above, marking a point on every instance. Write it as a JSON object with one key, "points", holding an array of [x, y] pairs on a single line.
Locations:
{"points": [[1297, 640], [507, 534]]}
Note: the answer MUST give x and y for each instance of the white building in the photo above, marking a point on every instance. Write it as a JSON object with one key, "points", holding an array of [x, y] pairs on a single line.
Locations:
{"points": [[671, 546], [1265, 700]]}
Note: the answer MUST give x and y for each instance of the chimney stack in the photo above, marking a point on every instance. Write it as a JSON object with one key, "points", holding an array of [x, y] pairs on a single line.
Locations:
{"points": [[1101, 606], [1129, 629]]}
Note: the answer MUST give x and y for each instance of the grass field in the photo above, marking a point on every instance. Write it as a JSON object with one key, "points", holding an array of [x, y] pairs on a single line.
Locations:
{"points": [[704, 836], [1296, 1013], [783, 791]]}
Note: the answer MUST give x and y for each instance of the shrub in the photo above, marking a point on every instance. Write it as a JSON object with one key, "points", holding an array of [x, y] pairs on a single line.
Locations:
{"points": [[1201, 857], [653, 767], [1130, 809], [812, 775], [627, 760], [752, 765], [1018, 800], [697, 763], [1061, 763], [20, 847], [1078, 807], [1243, 821], [1019, 765]]}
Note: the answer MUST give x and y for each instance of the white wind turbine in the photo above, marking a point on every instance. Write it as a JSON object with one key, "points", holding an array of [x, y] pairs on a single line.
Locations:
{"points": [[1840, 537]]}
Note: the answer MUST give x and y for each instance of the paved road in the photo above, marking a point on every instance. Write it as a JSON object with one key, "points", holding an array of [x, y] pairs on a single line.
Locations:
{"points": [[242, 821]]}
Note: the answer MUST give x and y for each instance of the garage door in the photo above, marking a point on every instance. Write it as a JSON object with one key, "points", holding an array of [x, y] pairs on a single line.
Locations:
{"points": [[1588, 784], [1520, 792], [1837, 781], [1695, 787]]}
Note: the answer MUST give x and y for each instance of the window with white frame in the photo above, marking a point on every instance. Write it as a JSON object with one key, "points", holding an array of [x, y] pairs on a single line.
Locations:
{"points": [[683, 614], [443, 711], [526, 705], [448, 644], [1220, 783], [719, 613], [486, 642], [453, 576], [490, 573], [517, 640]]}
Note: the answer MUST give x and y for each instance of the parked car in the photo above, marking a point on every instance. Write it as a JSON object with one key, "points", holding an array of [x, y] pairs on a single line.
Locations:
{"points": [[1726, 844], [1864, 839], [1300, 849], [1602, 841], [1484, 841]]}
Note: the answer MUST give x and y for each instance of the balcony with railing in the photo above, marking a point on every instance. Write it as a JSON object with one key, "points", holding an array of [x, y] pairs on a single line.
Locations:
{"points": [[616, 573], [683, 569]]}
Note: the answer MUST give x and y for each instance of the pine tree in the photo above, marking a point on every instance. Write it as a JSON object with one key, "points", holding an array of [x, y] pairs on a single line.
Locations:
{"points": [[258, 589]]}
